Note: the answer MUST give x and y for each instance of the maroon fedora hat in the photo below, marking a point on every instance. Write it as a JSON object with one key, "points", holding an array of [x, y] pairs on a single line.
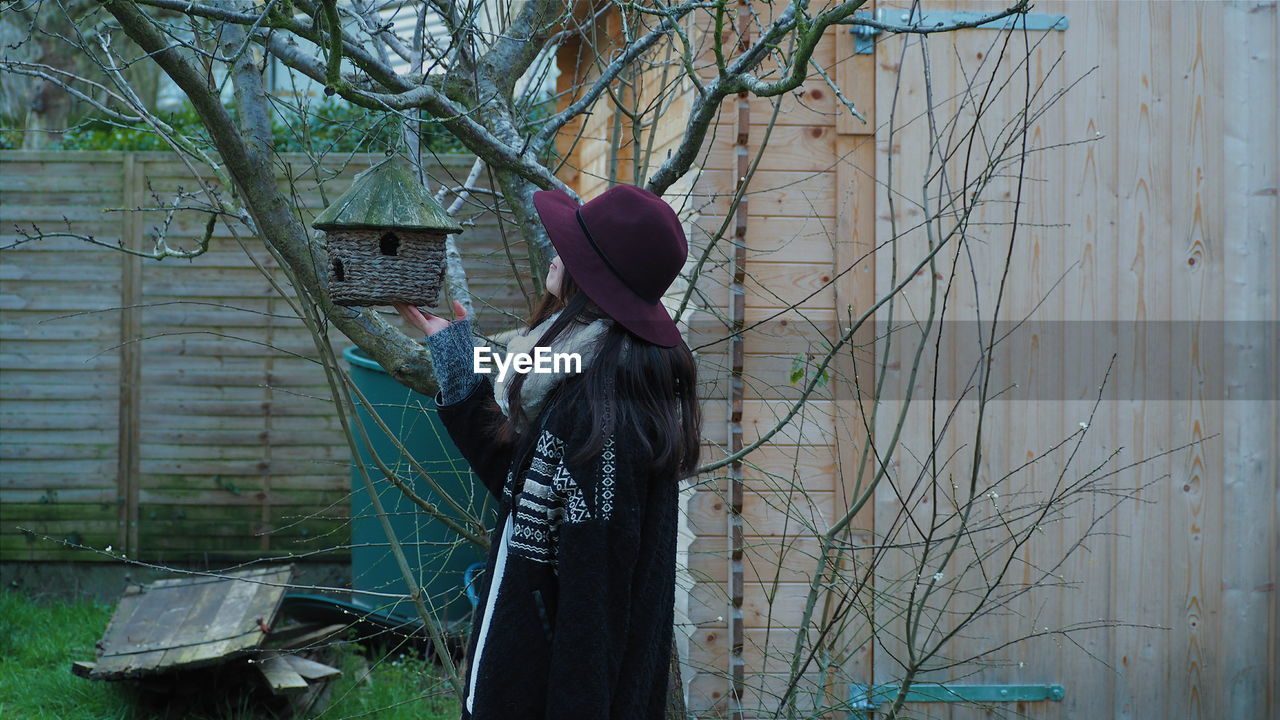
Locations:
{"points": [[623, 248]]}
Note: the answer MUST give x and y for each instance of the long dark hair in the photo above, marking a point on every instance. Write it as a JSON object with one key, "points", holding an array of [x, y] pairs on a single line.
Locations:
{"points": [[653, 392]]}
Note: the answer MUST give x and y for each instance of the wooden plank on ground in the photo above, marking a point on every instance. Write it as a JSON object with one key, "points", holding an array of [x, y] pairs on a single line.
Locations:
{"points": [[306, 636], [310, 669], [280, 676]]}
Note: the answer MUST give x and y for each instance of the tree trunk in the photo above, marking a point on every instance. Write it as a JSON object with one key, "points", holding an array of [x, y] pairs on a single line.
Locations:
{"points": [[675, 688]]}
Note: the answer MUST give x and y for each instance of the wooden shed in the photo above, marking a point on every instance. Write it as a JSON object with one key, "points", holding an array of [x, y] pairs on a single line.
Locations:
{"points": [[1144, 225]]}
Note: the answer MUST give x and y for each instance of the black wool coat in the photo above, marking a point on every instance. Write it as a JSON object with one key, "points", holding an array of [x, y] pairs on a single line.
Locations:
{"points": [[577, 601]]}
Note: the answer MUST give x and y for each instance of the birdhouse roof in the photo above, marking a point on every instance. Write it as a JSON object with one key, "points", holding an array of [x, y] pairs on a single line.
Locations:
{"points": [[387, 195]]}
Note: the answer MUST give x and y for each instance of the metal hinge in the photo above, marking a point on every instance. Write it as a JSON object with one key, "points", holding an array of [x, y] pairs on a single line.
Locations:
{"points": [[864, 699], [903, 20]]}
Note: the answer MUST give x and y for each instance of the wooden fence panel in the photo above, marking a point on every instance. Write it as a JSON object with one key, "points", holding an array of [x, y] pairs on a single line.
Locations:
{"points": [[212, 433], [59, 407]]}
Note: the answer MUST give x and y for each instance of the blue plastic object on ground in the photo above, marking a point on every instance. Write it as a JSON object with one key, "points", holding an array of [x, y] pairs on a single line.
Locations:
{"points": [[469, 583]]}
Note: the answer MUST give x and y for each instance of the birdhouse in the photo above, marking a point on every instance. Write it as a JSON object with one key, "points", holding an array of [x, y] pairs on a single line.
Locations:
{"points": [[386, 238]]}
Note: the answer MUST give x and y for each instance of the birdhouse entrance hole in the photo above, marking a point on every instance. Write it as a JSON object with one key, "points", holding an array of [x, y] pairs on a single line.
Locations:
{"points": [[389, 244], [337, 270]]}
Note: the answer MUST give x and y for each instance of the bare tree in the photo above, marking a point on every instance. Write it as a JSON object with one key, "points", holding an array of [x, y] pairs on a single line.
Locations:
{"points": [[39, 67], [660, 74]]}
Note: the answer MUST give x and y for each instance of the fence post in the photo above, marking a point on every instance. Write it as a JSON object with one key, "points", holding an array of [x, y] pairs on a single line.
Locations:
{"points": [[128, 466]]}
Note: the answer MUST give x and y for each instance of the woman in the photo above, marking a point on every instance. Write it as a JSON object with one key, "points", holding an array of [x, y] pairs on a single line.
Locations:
{"points": [[575, 620]]}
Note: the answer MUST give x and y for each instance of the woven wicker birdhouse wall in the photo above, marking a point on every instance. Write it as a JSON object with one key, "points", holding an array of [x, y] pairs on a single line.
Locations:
{"points": [[385, 238]]}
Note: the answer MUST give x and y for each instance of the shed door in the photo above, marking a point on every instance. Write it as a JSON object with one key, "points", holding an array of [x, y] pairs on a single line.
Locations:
{"points": [[1147, 216], [901, 167]]}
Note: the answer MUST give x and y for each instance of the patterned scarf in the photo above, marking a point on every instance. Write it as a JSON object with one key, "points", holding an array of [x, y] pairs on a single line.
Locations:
{"points": [[578, 338]]}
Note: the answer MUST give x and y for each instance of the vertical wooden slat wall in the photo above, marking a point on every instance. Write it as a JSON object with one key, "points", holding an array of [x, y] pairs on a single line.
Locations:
{"points": [[755, 535], [854, 267], [754, 529], [170, 409], [1247, 651], [1125, 228]]}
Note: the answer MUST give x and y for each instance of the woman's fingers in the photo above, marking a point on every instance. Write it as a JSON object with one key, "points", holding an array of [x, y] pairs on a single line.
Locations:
{"points": [[411, 314], [425, 321], [415, 317], [404, 312]]}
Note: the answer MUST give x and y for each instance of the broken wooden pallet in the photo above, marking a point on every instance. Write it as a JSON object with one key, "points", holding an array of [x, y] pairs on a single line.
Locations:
{"points": [[187, 622], [221, 628]]}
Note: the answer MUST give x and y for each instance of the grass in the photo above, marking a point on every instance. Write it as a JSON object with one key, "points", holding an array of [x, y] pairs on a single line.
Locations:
{"points": [[39, 639]]}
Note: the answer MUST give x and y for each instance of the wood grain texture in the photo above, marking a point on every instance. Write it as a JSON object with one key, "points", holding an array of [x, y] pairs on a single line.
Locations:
{"points": [[1127, 215], [707, 692], [854, 292], [1239, 45], [130, 380], [188, 622]]}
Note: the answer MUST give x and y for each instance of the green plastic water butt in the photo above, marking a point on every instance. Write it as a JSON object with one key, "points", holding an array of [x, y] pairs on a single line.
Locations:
{"points": [[435, 552]]}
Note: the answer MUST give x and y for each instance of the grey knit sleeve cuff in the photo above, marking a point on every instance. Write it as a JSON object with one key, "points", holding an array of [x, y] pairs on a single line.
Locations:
{"points": [[451, 353]]}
